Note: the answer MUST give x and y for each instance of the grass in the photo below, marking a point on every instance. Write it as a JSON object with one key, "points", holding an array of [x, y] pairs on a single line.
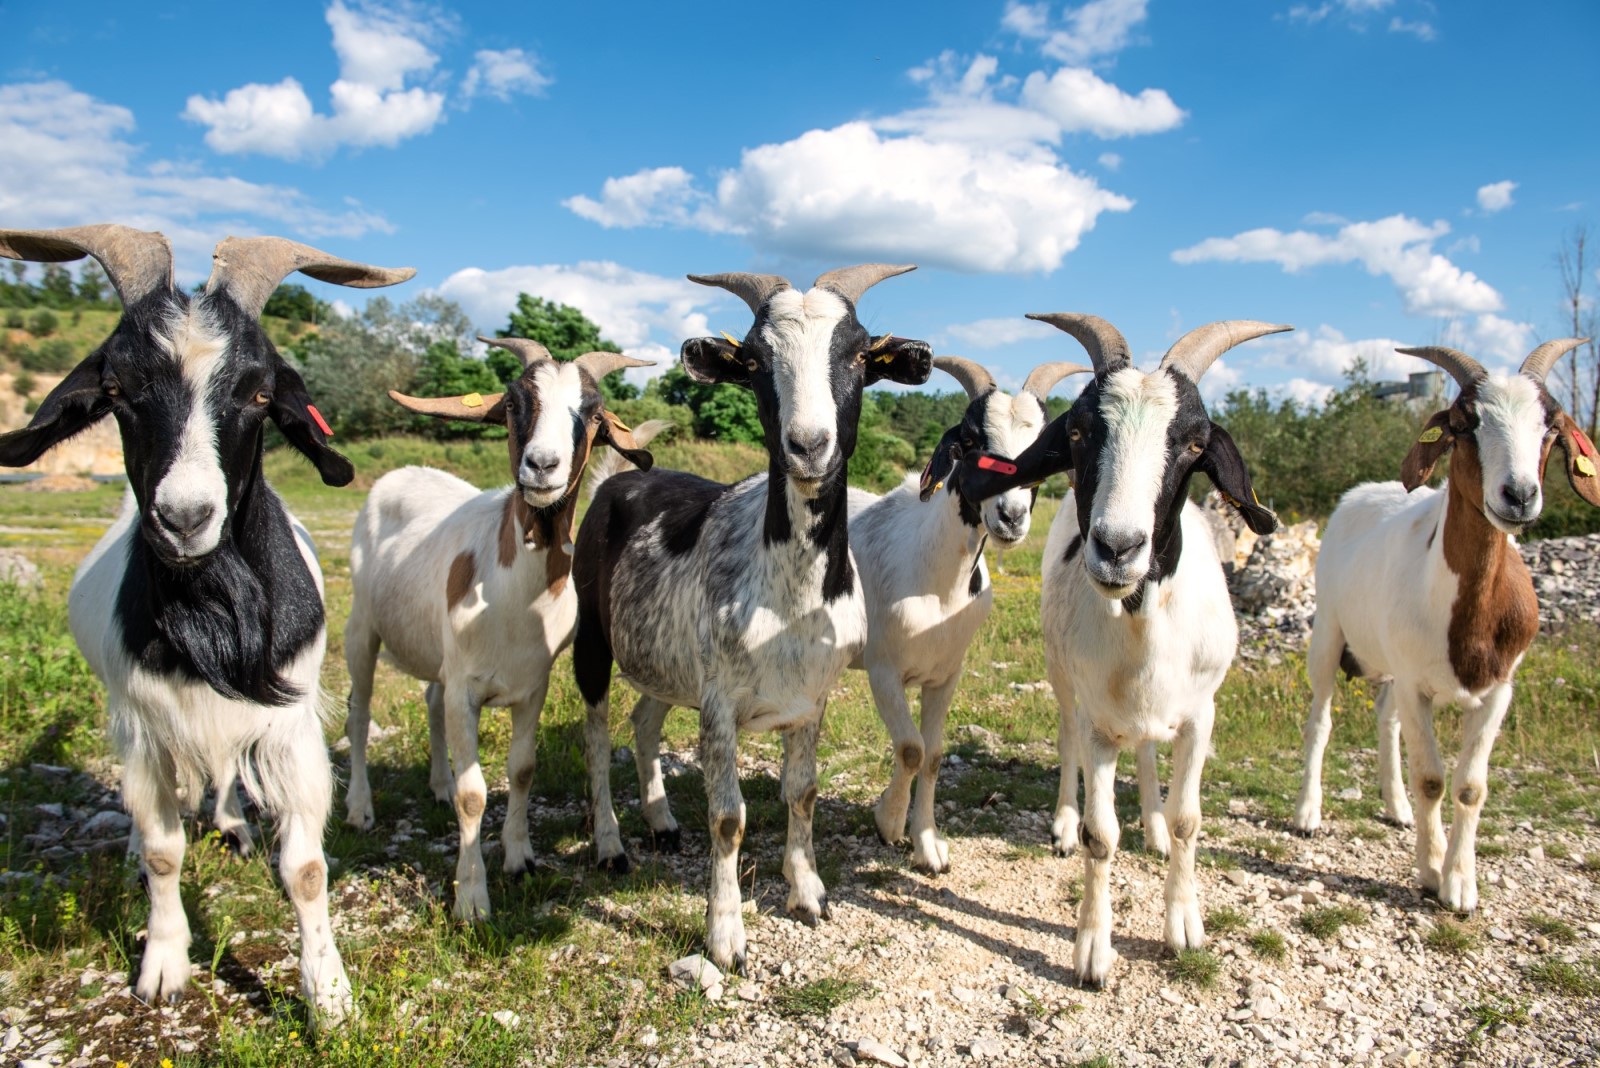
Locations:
{"points": [[1490, 1016], [1448, 936], [1556, 930], [1269, 945], [817, 998], [1579, 979], [1225, 920], [1328, 921], [1197, 967]]}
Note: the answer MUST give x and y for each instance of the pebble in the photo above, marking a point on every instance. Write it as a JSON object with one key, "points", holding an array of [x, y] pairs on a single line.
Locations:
{"points": [[986, 1049], [695, 970], [1236, 876], [872, 1050]]}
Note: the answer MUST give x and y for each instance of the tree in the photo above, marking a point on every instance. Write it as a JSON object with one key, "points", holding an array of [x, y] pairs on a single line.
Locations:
{"points": [[56, 289], [568, 334], [1581, 375], [296, 303], [720, 412], [94, 288]]}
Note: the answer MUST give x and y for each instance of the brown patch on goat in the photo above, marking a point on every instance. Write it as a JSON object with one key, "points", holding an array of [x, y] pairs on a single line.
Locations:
{"points": [[309, 882], [911, 756], [1432, 789], [728, 832], [1093, 845], [1184, 827], [1469, 795], [524, 778], [463, 571], [159, 864], [471, 805], [515, 520], [1495, 616]]}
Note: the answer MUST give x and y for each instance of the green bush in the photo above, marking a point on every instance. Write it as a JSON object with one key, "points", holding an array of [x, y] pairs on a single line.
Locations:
{"points": [[14, 320], [43, 323], [52, 356], [23, 383]]}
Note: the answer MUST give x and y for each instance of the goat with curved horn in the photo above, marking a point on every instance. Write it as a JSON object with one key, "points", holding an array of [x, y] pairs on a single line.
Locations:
{"points": [[600, 364], [1463, 368], [851, 282], [974, 378], [138, 262], [1042, 379], [1541, 359], [250, 268], [1106, 346], [753, 289], [1195, 352], [526, 349]]}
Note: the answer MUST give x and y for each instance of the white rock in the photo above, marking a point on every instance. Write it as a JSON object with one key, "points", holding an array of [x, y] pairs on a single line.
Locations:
{"points": [[872, 1050], [1236, 876], [507, 1019], [695, 971], [986, 1049], [107, 824]]}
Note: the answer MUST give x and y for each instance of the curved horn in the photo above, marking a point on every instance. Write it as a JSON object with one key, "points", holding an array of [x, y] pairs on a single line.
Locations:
{"points": [[250, 268], [137, 262], [1105, 344], [527, 350], [1541, 359], [974, 378], [1195, 352], [450, 407], [753, 289], [1042, 379], [851, 282], [1463, 368], [600, 364]]}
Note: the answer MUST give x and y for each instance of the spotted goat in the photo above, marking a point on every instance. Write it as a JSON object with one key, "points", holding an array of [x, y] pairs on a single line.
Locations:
{"points": [[201, 607], [742, 601], [469, 591], [1138, 628], [1423, 591], [927, 587]]}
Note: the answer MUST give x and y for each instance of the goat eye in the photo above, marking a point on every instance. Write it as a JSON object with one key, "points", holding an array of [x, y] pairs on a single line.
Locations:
{"points": [[751, 364], [1074, 435], [263, 397], [113, 390], [1196, 447]]}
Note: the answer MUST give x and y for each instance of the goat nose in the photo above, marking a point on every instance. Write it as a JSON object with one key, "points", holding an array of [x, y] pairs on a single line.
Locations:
{"points": [[1010, 513], [185, 519], [806, 444], [541, 462], [1118, 546], [1519, 496]]}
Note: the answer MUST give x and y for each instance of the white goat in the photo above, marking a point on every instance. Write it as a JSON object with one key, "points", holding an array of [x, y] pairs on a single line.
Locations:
{"points": [[1424, 591], [201, 608], [1135, 644], [469, 590], [927, 587]]}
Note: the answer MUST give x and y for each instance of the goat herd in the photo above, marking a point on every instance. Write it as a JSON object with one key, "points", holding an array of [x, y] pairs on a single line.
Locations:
{"points": [[201, 608]]}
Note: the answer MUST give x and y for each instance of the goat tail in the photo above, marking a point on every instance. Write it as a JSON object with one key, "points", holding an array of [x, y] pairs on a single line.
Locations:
{"points": [[612, 462]]}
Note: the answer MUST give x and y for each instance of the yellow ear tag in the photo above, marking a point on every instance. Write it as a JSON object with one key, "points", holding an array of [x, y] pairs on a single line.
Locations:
{"points": [[1584, 465], [881, 342], [735, 342], [1431, 435], [618, 423], [1253, 496], [472, 400]]}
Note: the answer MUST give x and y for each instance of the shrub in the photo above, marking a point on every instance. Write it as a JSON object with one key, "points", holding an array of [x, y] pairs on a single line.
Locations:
{"points": [[43, 323], [51, 357], [23, 383], [14, 319]]}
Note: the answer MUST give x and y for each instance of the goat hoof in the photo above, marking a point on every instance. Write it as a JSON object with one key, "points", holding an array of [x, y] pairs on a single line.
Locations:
{"points": [[741, 965], [617, 865], [670, 841]]}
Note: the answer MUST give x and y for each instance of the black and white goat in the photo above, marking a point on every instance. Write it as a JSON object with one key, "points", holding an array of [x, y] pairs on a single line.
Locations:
{"points": [[1423, 591], [741, 601], [1138, 628], [201, 608], [469, 590], [927, 587]]}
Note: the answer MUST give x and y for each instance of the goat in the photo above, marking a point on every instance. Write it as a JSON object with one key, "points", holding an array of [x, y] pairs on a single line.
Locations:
{"points": [[743, 600], [1138, 629], [469, 590], [1424, 591], [201, 607], [927, 588]]}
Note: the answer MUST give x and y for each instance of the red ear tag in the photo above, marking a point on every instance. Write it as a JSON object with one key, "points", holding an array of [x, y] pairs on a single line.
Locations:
{"points": [[989, 463], [316, 417], [1585, 446]]}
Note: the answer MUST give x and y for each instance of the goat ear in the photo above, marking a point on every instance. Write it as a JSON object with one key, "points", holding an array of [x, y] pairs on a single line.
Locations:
{"points": [[468, 408], [984, 475], [899, 360], [1225, 467], [714, 361], [616, 433], [76, 404], [303, 426], [1583, 464], [945, 456], [1431, 446]]}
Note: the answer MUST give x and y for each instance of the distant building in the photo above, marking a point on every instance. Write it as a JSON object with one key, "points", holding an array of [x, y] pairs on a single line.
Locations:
{"points": [[1422, 385]]}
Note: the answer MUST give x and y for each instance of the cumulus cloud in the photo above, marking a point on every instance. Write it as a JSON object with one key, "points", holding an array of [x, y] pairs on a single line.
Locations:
{"points": [[1356, 13], [1110, 161], [649, 198], [1496, 196], [993, 333], [382, 50], [1078, 101], [1398, 247], [1087, 32], [69, 158]]}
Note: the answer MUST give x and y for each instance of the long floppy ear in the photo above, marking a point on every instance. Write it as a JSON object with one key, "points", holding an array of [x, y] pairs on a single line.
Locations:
{"points": [[303, 427], [76, 404], [714, 361], [1431, 445], [1583, 465], [467, 408], [1225, 467], [984, 474], [945, 456], [899, 360], [619, 436]]}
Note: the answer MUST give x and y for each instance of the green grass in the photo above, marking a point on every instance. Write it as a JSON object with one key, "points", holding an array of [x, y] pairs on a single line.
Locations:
{"points": [[1269, 945], [1489, 1017], [1225, 920], [1556, 930], [1575, 980], [1328, 921], [1197, 967], [1448, 936], [816, 998]]}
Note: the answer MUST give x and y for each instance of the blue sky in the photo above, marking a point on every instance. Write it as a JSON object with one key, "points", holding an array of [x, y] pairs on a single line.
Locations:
{"points": [[1375, 172]]}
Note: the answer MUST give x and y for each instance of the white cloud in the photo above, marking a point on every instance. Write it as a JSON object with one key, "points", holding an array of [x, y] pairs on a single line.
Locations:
{"points": [[504, 73], [1496, 196], [1398, 246], [1355, 13], [1324, 218], [1421, 29], [1496, 342], [69, 159], [649, 198], [993, 333], [1079, 101], [1090, 31], [1110, 161], [1305, 392]]}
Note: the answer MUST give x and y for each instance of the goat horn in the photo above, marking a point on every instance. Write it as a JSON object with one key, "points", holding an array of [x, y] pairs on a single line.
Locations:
{"points": [[600, 364], [851, 282], [1463, 368], [1541, 359], [753, 289], [138, 262], [250, 268], [1106, 346], [974, 378], [1042, 379], [1193, 354], [527, 350]]}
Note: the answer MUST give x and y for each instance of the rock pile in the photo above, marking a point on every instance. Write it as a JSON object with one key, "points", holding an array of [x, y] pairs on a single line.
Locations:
{"points": [[1566, 572]]}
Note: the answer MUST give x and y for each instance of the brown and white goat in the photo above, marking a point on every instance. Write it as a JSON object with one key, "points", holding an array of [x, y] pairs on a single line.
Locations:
{"points": [[1424, 591]]}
